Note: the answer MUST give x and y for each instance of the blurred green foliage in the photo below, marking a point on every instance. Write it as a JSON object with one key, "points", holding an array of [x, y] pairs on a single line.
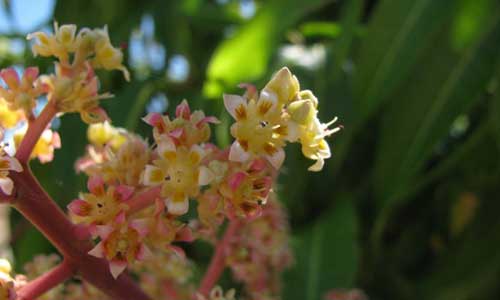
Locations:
{"points": [[415, 84]]}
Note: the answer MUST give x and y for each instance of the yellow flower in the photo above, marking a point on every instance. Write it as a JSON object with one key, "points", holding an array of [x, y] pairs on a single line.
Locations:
{"points": [[21, 93], [100, 134], [60, 44], [45, 146], [259, 129], [106, 56], [283, 85], [9, 118], [179, 173], [121, 243], [77, 94], [101, 205]]}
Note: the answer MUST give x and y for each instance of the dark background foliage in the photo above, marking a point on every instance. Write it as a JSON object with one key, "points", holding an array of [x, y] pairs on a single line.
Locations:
{"points": [[407, 208]]}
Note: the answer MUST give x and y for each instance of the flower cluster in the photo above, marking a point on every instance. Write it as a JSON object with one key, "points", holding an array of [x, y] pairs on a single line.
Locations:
{"points": [[72, 88], [144, 201], [9, 284], [137, 193], [260, 253], [280, 113]]}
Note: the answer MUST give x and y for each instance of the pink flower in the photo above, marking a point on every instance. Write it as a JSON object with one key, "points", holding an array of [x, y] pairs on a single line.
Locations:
{"points": [[121, 243], [101, 205]]}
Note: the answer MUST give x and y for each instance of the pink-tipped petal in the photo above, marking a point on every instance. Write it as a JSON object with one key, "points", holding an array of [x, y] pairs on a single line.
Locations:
{"points": [[95, 185], [206, 120], [232, 102], [143, 253], [6, 185], [251, 90], [14, 164], [124, 192], [258, 165], [30, 74], [121, 218], [237, 153], [206, 176], [185, 234], [79, 207], [141, 226], [277, 158], [116, 267], [182, 110], [235, 180], [152, 119], [177, 250], [103, 231], [10, 77], [97, 251], [176, 133], [56, 140]]}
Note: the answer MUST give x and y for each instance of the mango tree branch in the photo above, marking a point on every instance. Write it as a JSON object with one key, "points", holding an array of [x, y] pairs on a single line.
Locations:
{"points": [[35, 130], [35, 204], [47, 281], [218, 261]]}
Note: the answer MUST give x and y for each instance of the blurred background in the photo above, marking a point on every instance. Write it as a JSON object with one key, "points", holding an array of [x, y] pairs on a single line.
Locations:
{"points": [[407, 207]]}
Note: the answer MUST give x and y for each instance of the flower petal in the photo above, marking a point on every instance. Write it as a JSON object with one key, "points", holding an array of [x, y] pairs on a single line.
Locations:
{"points": [[182, 110], [235, 180], [318, 165], [176, 207], [95, 185], [232, 102], [14, 164], [237, 153], [152, 119], [30, 74], [97, 251], [6, 185], [10, 77], [124, 191], [205, 176], [103, 231], [116, 267], [177, 250], [79, 207], [141, 226], [277, 158], [152, 176], [143, 252]]}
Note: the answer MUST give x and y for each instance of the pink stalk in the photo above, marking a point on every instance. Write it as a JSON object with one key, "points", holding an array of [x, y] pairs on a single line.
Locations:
{"points": [[35, 130], [143, 200], [37, 206], [47, 281], [218, 263]]}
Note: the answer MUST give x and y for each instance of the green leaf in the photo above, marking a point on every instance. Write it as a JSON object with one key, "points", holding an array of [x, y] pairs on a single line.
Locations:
{"points": [[322, 29], [471, 18], [399, 30], [327, 255], [414, 126], [245, 56]]}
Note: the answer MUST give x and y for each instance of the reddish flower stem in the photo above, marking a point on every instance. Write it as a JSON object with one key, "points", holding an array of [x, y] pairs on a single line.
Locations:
{"points": [[47, 281], [35, 130], [36, 205], [143, 200], [217, 264]]}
